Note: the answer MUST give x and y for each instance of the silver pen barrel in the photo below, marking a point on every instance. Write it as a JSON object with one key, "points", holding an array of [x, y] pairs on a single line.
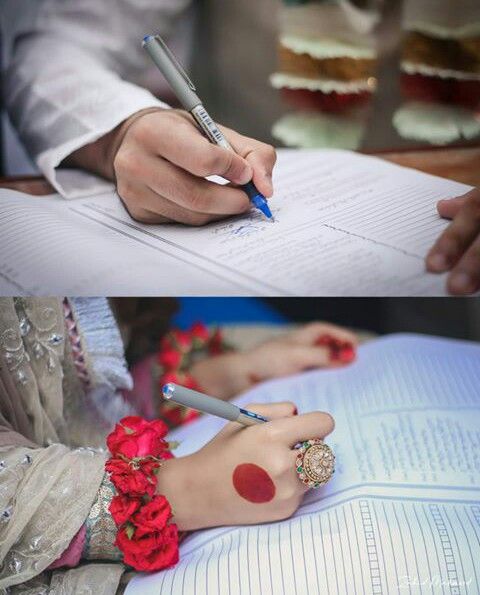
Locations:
{"points": [[171, 69], [195, 400]]}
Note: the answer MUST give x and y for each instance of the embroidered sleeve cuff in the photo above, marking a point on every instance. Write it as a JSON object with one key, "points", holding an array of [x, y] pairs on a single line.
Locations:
{"points": [[100, 528]]}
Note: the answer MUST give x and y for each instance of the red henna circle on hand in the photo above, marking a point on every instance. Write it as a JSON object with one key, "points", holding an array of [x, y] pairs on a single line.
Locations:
{"points": [[253, 483]]}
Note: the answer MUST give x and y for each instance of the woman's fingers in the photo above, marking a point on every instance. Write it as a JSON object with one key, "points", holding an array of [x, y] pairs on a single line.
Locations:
{"points": [[310, 333], [305, 357], [271, 411], [295, 429]]}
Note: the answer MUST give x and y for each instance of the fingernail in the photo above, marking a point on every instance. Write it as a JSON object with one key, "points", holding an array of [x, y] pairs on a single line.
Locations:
{"points": [[347, 355], [295, 411], [438, 262], [461, 282]]}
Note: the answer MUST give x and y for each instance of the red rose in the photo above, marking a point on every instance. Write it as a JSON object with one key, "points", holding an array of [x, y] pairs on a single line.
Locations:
{"points": [[190, 415], [215, 345], [153, 551], [152, 517], [167, 455], [199, 331], [173, 417], [135, 437], [131, 481], [122, 508], [150, 466], [169, 359], [169, 377], [182, 339], [177, 415], [166, 343]]}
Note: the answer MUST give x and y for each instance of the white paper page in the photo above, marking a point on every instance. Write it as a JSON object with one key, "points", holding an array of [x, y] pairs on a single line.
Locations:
{"points": [[407, 442], [364, 545], [346, 224], [48, 248]]}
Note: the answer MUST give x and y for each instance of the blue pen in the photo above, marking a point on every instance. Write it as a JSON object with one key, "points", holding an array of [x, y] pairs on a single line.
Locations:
{"points": [[185, 90]]}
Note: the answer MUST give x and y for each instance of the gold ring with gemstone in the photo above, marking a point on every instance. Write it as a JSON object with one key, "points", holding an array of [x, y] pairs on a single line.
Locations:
{"points": [[315, 463]]}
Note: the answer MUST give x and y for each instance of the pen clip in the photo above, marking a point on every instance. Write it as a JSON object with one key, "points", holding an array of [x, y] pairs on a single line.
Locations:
{"points": [[175, 62]]}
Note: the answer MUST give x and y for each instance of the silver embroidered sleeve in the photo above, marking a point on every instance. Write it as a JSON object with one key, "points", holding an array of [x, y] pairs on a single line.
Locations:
{"points": [[101, 530]]}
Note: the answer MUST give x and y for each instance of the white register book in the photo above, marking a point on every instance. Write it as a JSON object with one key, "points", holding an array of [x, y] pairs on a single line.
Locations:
{"points": [[402, 512], [346, 225]]}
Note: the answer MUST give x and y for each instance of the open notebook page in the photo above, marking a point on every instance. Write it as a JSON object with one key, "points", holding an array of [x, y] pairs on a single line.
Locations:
{"points": [[47, 248], [405, 498], [346, 224]]}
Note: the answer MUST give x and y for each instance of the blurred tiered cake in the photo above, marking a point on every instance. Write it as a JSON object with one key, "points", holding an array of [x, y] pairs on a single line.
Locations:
{"points": [[440, 71], [326, 72]]}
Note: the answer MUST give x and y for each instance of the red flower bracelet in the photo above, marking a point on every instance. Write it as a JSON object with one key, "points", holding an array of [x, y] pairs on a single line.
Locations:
{"points": [[146, 536], [179, 349]]}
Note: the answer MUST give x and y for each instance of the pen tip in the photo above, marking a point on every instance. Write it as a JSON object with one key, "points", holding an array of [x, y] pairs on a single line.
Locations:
{"points": [[261, 204]]}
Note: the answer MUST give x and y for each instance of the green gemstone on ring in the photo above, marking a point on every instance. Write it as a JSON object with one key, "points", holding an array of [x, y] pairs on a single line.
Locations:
{"points": [[300, 469]]}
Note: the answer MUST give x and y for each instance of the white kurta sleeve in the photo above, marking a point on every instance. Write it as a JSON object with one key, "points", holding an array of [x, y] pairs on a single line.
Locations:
{"points": [[75, 74]]}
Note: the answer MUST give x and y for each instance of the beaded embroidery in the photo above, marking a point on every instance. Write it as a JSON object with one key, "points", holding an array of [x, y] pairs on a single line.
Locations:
{"points": [[41, 337]]}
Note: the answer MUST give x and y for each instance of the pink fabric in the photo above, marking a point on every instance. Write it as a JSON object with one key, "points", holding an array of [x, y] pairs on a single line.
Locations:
{"points": [[72, 555], [142, 396], [76, 345]]}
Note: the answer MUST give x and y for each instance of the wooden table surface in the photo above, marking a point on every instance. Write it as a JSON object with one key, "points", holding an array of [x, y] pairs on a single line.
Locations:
{"points": [[459, 164]]}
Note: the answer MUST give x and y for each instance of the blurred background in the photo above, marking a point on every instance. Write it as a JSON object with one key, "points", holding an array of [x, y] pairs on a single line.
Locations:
{"points": [[359, 74], [148, 318], [368, 75]]}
